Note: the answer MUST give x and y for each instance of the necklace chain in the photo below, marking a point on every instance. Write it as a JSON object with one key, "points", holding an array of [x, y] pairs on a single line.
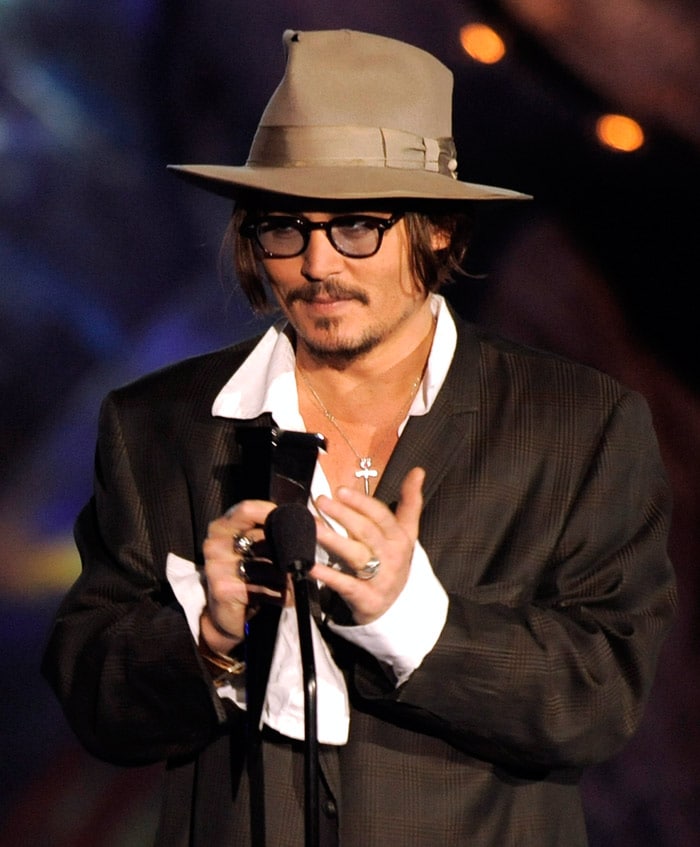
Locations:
{"points": [[367, 469]]}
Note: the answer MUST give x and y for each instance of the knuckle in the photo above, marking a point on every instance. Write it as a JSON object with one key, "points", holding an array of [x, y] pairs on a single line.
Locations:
{"points": [[214, 547]]}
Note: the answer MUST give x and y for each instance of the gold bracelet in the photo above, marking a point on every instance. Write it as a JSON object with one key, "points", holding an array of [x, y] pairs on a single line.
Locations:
{"points": [[232, 668]]}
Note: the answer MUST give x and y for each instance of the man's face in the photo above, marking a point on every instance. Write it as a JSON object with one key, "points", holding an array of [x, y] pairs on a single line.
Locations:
{"points": [[343, 307]]}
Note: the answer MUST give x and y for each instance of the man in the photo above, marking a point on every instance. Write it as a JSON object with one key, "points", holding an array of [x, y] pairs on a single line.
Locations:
{"points": [[491, 521]]}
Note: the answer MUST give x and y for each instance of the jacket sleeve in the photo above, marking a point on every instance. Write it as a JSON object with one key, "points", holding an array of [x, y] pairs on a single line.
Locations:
{"points": [[120, 657], [550, 646]]}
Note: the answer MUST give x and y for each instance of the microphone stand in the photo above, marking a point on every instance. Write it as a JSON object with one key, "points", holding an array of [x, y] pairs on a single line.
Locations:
{"points": [[304, 624], [291, 531]]}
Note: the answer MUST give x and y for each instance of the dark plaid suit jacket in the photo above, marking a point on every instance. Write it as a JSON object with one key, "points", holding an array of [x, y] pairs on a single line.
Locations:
{"points": [[546, 518]]}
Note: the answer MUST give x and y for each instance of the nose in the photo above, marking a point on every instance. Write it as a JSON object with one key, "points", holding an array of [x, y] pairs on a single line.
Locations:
{"points": [[320, 259]]}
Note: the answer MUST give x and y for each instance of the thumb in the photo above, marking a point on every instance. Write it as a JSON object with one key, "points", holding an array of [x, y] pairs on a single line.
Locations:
{"points": [[410, 505]]}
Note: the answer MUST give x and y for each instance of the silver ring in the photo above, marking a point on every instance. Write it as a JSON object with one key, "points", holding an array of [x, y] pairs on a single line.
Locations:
{"points": [[242, 545], [370, 569]]}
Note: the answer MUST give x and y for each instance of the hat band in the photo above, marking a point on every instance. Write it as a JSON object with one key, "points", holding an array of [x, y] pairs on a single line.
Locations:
{"points": [[351, 146]]}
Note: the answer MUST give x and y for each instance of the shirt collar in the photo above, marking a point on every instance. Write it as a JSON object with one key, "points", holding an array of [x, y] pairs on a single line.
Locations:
{"points": [[265, 382]]}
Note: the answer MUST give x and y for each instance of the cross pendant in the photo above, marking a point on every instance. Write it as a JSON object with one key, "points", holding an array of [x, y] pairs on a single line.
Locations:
{"points": [[366, 471]]}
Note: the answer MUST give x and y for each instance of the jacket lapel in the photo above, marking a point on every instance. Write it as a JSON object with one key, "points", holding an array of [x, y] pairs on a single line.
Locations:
{"points": [[430, 441]]}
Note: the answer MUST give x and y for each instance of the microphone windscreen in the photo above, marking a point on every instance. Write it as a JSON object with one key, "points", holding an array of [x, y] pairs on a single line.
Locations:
{"points": [[290, 531]]}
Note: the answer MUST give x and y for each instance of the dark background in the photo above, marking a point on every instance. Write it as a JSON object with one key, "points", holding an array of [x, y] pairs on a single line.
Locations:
{"points": [[108, 269]]}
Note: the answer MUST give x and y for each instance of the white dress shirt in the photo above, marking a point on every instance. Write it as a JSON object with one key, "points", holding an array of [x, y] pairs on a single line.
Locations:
{"points": [[266, 382]]}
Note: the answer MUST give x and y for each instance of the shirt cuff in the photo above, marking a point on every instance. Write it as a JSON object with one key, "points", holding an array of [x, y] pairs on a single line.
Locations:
{"points": [[186, 582], [410, 628]]}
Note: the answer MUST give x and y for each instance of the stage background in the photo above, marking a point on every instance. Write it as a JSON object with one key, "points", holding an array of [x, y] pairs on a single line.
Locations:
{"points": [[108, 269]]}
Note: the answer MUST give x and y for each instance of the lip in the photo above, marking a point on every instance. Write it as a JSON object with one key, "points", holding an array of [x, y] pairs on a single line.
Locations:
{"points": [[327, 303]]}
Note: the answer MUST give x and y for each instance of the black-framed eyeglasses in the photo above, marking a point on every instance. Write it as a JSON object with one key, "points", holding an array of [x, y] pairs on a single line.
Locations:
{"points": [[286, 236]]}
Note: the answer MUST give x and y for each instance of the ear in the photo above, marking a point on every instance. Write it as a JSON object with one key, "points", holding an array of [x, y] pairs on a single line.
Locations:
{"points": [[439, 239]]}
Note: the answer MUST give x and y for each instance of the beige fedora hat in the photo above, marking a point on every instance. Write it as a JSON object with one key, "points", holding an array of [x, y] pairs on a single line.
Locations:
{"points": [[356, 116]]}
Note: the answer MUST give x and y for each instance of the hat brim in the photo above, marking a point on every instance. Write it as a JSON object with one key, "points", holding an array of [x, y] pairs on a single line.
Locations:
{"points": [[339, 183]]}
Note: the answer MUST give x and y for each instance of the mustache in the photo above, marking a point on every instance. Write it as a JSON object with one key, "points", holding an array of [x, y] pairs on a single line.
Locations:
{"points": [[330, 289]]}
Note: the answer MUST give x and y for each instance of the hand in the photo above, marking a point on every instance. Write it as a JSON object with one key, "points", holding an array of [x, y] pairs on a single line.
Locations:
{"points": [[230, 599], [373, 532]]}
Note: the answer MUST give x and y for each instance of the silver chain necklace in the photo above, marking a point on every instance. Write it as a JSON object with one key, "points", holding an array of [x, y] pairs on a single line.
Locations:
{"points": [[366, 470]]}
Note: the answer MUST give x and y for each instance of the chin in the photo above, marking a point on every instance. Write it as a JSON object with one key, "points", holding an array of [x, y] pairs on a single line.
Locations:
{"points": [[340, 349]]}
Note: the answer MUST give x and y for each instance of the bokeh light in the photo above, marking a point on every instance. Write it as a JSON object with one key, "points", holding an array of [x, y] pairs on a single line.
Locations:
{"points": [[618, 132], [482, 43]]}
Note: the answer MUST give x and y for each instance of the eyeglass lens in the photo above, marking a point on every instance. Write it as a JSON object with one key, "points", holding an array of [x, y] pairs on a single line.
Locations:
{"points": [[358, 236]]}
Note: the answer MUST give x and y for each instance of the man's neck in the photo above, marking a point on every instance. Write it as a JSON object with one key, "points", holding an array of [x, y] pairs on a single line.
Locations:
{"points": [[378, 380]]}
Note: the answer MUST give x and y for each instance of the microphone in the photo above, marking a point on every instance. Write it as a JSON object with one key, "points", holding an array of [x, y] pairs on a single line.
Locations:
{"points": [[290, 531]]}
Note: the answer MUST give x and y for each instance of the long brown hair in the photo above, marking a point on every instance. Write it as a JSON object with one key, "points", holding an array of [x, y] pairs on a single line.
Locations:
{"points": [[432, 268]]}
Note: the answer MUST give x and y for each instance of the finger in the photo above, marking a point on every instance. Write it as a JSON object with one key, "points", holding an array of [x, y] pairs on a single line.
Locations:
{"points": [[371, 521], [249, 510], [227, 598], [343, 583], [364, 518], [410, 505], [218, 550], [363, 540], [241, 518], [366, 599]]}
